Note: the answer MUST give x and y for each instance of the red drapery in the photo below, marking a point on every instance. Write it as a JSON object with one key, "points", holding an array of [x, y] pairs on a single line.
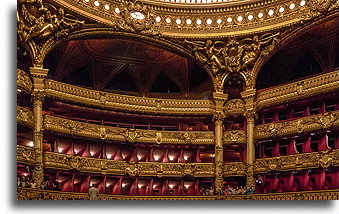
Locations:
{"points": [[306, 147]]}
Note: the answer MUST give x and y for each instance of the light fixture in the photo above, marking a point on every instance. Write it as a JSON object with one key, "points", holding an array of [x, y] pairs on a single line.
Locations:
{"points": [[86, 0], [171, 186], [171, 158], [18, 90], [156, 158], [76, 151], [185, 157], [212, 155], [281, 9], [292, 6], [154, 186], [178, 21], [229, 19], [139, 158], [139, 186], [96, 3], [107, 185], [188, 21], [137, 15], [209, 21], [60, 150], [271, 12], [109, 156], [91, 153], [106, 6], [25, 174], [199, 21], [186, 186], [250, 17], [158, 19], [117, 10], [302, 3], [31, 144], [260, 15], [123, 185], [219, 21], [239, 18]]}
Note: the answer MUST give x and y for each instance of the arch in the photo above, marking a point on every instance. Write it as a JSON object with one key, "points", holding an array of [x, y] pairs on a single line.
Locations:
{"points": [[290, 37], [234, 84]]}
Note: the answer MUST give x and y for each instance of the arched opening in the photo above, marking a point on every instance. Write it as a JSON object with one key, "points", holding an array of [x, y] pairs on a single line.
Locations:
{"points": [[233, 86]]}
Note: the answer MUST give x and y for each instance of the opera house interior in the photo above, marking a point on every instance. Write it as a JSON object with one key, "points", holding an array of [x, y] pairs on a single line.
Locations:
{"points": [[178, 99]]}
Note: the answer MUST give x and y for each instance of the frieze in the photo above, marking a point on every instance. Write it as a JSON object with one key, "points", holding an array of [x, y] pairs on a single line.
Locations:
{"points": [[322, 159], [297, 126], [35, 194]]}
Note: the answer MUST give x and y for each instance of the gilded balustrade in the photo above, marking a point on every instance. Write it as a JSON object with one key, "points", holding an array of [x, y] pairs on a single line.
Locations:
{"points": [[297, 126], [24, 116], [235, 137], [322, 159], [297, 90], [26, 155], [35, 194], [125, 102]]}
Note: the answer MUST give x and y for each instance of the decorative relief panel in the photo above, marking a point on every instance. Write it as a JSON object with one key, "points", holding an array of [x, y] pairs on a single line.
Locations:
{"points": [[24, 116], [35, 194], [66, 126], [23, 81], [307, 87], [26, 154], [71, 93], [297, 126], [322, 159], [234, 169], [235, 136], [235, 106]]}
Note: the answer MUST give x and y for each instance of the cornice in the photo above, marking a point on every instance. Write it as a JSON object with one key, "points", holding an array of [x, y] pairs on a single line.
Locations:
{"points": [[35, 194], [128, 103], [297, 126], [297, 90], [216, 21], [297, 162]]}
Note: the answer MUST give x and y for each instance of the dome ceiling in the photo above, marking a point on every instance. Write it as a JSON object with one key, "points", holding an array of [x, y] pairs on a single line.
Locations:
{"points": [[128, 67]]}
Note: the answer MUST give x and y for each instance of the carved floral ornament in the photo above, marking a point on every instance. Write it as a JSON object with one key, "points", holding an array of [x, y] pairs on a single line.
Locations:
{"points": [[235, 136], [235, 106], [317, 7], [136, 17], [23, 81], [39, 24], [233, 55]]}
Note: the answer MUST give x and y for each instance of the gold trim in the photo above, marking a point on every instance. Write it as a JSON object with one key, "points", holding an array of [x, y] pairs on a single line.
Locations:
{"points": [[297, 126], [128, 103], [322, 159], [297, 90], [24, 81], [235, 137], [34, 194]]}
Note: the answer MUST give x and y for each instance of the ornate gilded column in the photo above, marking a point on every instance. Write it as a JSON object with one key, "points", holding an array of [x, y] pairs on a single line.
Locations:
{"points": [[38, 95], [250, 115], [218, 118]]}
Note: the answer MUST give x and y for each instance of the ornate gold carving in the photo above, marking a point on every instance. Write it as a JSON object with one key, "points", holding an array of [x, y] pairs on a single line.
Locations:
{"points": [[187, 137], [34, 194], [26, 154], [131, 135], [136, 17], [322, 159], [234, 169], [40, 24], [318, 7], [251, 114], [23, 81], [235, 136], [236, 106], [72, 127], [132, 169], [307, 87], [250, 182], [76, 94], [25, 116], [233, 55], [305, 124], [38, 95]]}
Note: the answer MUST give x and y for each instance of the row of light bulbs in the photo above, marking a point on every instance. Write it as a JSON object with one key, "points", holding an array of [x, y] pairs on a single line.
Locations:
{"points": [[240, 18]]}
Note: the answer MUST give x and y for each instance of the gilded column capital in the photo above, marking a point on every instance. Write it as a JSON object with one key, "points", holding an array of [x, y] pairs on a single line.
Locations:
{"points": [[38, 96], [251, 115], [218, 117]]}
